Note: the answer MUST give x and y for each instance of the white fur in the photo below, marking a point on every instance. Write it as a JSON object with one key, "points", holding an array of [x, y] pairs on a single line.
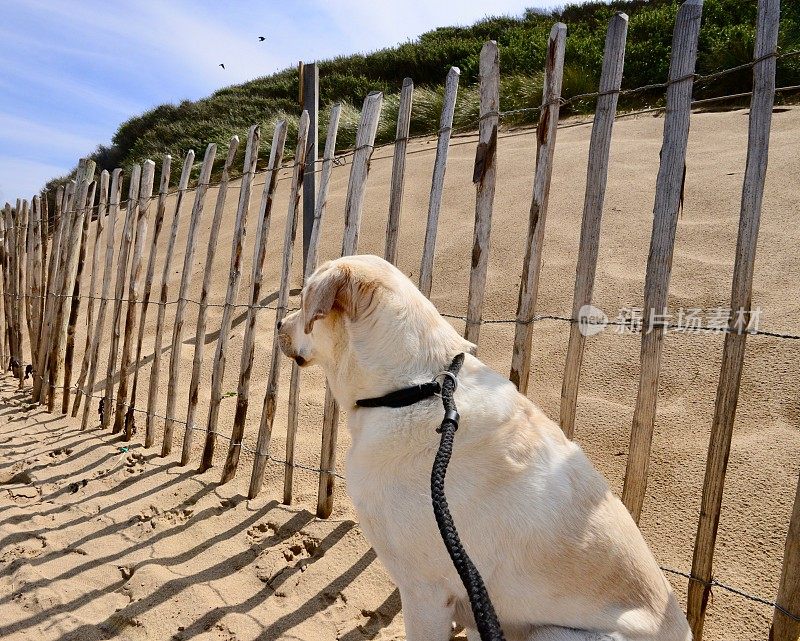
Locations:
{"points": [[559, 553]]}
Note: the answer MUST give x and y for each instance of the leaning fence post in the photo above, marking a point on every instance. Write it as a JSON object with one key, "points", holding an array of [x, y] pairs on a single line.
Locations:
{"points": [[786, 627], [70, 251], [365, 140], [35, 276], [202, 310], [155, 370], [29, 298], [256, 276], [8, 245], [140, 236], [163, 191], [102, 211], [596, 178], [733, 350], [3, 298], [113, 211], [235, 273], [270, 396], [308, 268], [669, 186], [545, 151], [180, 311], [484, 175], [75, 302], [119, 291], [22, 309], [399, 171], [437, 180], [49, 301]]}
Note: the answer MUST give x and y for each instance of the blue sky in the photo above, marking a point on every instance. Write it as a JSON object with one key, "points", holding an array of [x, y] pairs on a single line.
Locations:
{"points": [[72, 70]]}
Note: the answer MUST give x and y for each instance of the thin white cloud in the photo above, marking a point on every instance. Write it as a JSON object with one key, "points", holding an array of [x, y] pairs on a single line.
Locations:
{"points": [[16, 129]]}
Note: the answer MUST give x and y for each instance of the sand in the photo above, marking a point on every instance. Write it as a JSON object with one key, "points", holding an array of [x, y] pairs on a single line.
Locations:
{"points": [[100, 538]]}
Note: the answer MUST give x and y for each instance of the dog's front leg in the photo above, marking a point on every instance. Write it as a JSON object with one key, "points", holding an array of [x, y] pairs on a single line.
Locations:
{"points": [[427, 613]]}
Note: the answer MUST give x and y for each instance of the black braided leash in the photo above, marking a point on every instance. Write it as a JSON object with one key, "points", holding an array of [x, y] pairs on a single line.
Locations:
{"points": [[482, 608]]}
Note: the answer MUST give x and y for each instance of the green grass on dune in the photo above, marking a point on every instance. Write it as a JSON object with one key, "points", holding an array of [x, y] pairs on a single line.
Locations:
{"points": [[726, 40]]}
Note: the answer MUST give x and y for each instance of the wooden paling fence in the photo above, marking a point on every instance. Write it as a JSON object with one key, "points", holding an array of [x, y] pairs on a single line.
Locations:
{"points": [[44, 275]]}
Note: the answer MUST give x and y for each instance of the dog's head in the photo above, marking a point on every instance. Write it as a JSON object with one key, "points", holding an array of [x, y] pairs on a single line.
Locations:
{"points": [[361, 313]]}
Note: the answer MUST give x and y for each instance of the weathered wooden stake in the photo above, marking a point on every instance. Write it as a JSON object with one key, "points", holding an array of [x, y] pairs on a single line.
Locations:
{"points": [[596, 178], [545, 150], [354, 205], [163, 191], [733, 351], [784, 627], [97, 335], [235, 273], [437, 180], [75, 302], [155, 370], [202, 312], [180, 311], [123, 257], [270, 397], [669, 186], [399, 170], [22, 307], [134, 294], [259, 253], [40, 368], [484, 176], [309, 267], [69, 253], [102, 212]]}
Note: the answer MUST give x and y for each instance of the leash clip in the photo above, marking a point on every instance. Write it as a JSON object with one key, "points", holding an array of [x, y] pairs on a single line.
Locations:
{"points": [[446, 374]]}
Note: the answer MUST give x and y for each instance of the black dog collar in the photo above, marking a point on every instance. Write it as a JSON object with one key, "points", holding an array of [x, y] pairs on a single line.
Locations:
{"points": [[415, 393]]}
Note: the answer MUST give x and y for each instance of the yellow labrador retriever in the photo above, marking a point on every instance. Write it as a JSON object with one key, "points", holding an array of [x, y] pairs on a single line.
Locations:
{"points": [[560, 555]]}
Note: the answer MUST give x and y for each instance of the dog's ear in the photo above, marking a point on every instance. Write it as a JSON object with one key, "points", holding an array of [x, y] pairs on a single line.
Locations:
{"points": [[336, 288]]}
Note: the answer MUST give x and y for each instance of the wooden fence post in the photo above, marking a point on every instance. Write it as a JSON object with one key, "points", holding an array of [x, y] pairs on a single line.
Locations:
{"points": [[484, 176], [35, 275], [311, 105], [437, 180], [113, 212], [669, 186], [75, 301], [43, 238], [20, 229], [119, 291], [140, 236], [545, 151], [4, 356], [180, 311], [70, 254], [741, 293], [270, 397], [354, 205], [8, 276], [308, 268], [259, 253], [786, 627], [202, 311], [235, 273], [102, 212], [596, 179], [399, 170], [29, 300], [155, 370], [40, 367], [163, 191]]}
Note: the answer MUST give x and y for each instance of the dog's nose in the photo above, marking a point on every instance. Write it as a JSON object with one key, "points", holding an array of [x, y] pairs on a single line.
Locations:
{"points": [[280, 322]]}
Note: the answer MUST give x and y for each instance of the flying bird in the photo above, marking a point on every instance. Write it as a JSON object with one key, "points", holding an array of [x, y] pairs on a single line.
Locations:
{"points": [[261, 38], [221, 65]]}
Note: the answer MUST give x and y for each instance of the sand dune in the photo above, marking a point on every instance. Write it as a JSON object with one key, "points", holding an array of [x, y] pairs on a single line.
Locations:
{"points": [[101, 538]]}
